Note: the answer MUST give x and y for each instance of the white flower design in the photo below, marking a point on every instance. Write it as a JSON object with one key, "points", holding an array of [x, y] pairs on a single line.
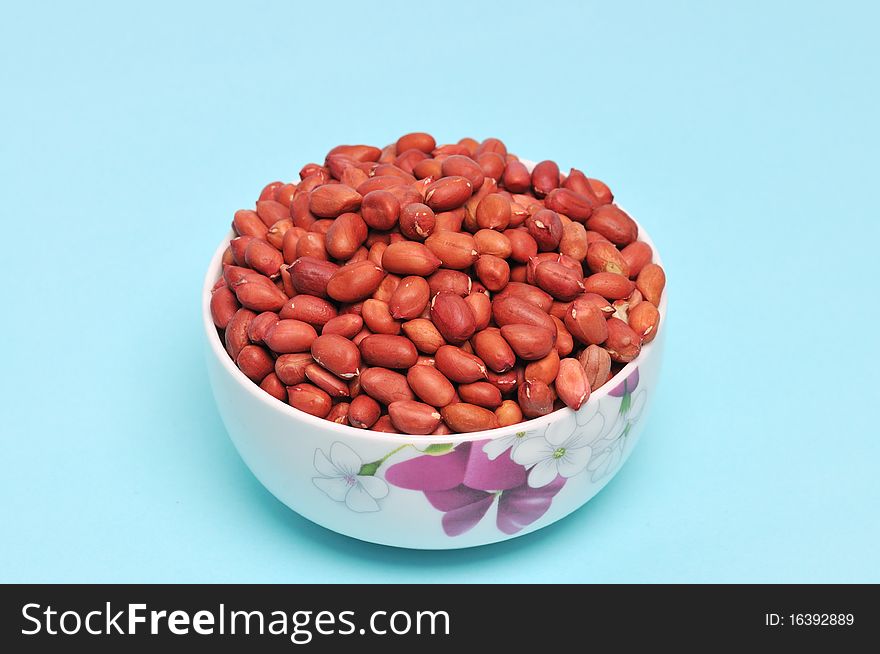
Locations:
{"points": [[498, 446], [341, 482], [608, 451], [564, 449]]}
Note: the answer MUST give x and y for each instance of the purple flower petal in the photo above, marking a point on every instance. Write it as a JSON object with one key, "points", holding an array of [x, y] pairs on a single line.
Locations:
{"points": [[633, 380], [628, 385], [454, 498], [485, 474], [465, 518], [521, 506], [431, 473]]}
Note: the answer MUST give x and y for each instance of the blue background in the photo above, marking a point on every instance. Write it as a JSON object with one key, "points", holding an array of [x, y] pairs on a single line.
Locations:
{"points": [[743, 135]]}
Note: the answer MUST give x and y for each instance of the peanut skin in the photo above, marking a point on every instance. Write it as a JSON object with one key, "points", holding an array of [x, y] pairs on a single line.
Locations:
{"points": [[430, 289]]}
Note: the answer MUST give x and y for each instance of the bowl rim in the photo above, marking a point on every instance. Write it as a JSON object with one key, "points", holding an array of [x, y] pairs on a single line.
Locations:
{"points": [[274, 404]]}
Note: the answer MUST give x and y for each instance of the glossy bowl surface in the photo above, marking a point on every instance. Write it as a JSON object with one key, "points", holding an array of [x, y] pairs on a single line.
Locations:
{"points": [[430, 492]]}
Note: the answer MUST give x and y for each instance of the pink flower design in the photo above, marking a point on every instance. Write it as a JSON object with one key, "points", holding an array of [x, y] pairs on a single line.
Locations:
{"points": [[627, 386], [464, 484]]}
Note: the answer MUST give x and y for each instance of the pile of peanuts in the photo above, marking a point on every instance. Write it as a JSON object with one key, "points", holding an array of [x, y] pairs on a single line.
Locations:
{"points": [[427, 289]]}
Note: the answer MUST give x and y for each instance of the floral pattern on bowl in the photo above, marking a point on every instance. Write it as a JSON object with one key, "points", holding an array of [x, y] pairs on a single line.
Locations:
{"points": [[522, 471]]}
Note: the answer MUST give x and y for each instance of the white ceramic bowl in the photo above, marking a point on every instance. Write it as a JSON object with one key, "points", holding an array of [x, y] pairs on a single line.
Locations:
{"points": [[429, 492]]}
